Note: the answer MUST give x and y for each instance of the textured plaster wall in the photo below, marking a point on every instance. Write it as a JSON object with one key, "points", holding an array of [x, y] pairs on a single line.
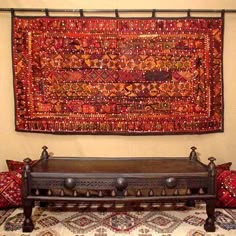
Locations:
{"points": [[15, 145]]}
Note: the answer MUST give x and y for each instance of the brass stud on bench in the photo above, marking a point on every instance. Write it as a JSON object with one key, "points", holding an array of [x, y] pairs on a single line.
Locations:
{"points": [[171, 182], [121, 184]]}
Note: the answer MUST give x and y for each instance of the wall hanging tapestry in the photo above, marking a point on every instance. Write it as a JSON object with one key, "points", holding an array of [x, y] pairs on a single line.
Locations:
{"points": [[101, 75]]}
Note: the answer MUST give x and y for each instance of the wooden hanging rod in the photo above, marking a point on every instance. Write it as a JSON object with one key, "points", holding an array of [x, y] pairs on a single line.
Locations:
{"points": [[116, 11]]}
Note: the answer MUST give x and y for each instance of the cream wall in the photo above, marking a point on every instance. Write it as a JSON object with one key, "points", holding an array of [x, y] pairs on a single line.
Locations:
{"points": [[16, 145]]}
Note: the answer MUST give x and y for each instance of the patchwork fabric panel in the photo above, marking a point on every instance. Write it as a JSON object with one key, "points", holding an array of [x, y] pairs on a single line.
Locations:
{"points": [[94, 75], [10, 189]]}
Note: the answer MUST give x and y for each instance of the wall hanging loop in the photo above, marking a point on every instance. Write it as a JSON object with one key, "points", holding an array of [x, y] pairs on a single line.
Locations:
{"points": [[154, 13], [117, 13], [81, 12], [189, 13], [47, 12], [12, 11], [223, 13]]}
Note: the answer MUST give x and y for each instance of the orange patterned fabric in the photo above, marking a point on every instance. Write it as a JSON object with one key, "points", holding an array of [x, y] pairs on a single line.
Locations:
{"points": [[118, 75]]}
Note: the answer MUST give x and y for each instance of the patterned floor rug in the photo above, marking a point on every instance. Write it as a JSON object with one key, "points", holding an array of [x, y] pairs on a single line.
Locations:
{"points": [[101, 221]]}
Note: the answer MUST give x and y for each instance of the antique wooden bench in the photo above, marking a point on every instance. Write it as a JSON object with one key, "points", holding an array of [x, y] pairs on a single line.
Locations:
{"points": [[119, 180]]}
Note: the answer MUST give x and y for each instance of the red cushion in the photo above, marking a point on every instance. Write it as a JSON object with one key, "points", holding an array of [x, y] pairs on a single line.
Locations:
{"points": [[16, 165], [10, 189], [222, 167], [226, 189]]}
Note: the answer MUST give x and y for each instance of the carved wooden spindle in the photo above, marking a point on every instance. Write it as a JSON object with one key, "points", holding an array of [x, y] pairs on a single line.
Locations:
{"points": [[44, 154], [151, 193], [125, 193], [62, 194], [49, 192], [100, 194], [37, 192], [188, 191], [193, 154], [176, 192], [138, 193], [163, 192], [69, 183], [87, 194], [113, 193], [201, 191], [75, 193]]}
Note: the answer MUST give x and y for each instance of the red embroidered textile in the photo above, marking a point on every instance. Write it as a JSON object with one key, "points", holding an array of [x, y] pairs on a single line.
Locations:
{"points": [[118, 75], [10, 189], [226, 189], [17, 165], [222, 167]]}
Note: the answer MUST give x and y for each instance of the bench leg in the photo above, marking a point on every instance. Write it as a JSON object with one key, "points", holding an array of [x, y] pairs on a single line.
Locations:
{"points": [[209, 225], [28, 225]]}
